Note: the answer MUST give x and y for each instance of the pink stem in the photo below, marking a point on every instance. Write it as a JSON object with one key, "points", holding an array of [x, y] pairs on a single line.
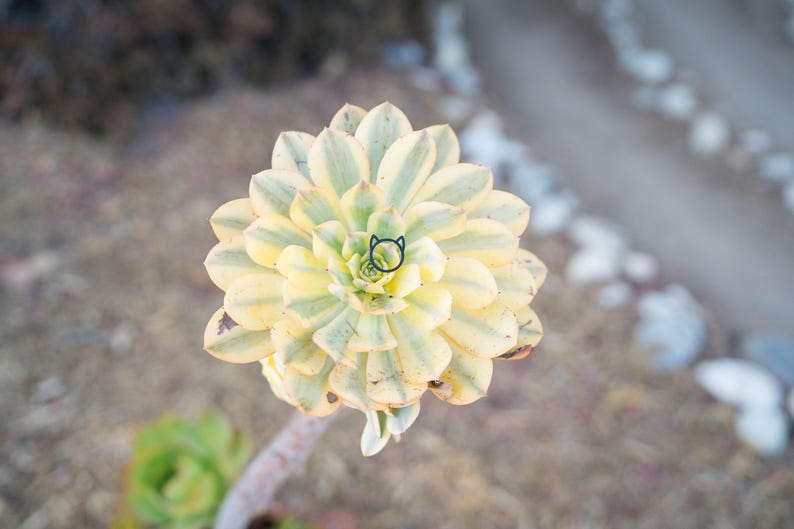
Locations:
{"points": [[286, 454]]}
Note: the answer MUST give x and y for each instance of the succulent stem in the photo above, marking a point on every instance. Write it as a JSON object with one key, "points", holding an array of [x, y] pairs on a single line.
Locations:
{"points": [[286, 454]]}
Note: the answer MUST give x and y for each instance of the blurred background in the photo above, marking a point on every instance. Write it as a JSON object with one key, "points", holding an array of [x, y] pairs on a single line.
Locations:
{"points": [[654, 141]]}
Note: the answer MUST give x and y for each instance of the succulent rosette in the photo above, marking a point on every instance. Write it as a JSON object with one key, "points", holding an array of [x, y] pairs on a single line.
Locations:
{"points": [[181, 470], [369, 265]]}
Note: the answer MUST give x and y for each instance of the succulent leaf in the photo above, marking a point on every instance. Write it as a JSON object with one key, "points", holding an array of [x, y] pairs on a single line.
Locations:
{"points": [[466, 378], [225, 339], [273, 191], [447, 146], [337, 161], [347, 118], [506, 208], [486, 240], [436, 220], [361, 201], [314, 206], [254, 301], [486, 332], [405, 168], [378, 130], [232, 218], [268, 235], [516, 285], [291, 152], [311, 393], [229, 260], [464, 185], [471, 283]]}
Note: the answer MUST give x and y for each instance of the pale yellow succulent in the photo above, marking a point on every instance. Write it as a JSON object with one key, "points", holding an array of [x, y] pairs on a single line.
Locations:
{"points": [[337, 316]]}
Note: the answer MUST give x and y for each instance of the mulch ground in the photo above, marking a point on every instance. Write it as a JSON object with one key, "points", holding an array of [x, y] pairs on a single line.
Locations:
{"points": [[105, 300]]}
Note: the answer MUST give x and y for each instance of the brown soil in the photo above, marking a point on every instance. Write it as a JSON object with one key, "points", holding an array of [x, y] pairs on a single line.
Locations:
{"points": [[103, 288]]}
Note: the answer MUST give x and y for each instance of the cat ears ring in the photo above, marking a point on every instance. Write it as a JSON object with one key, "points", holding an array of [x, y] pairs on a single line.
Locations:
{"points": [[374, 242]]}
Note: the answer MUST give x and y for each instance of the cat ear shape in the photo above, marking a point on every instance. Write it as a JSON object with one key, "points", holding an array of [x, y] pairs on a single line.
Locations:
{"points": [[400, 242], [373, 242]]}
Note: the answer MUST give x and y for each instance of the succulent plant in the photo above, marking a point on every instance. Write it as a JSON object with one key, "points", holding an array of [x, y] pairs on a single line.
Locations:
{"points": [[181, 471], [367, 266]]}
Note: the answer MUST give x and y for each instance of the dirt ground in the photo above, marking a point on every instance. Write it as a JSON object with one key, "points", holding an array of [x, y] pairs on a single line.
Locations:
{"points": [[105, 300]]}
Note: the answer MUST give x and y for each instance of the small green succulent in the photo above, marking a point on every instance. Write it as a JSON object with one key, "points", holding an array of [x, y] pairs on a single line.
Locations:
{"points": [[181, 470]]}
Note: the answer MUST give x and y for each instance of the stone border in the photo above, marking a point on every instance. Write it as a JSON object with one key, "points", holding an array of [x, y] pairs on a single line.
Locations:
{"points": [[661, 89]]}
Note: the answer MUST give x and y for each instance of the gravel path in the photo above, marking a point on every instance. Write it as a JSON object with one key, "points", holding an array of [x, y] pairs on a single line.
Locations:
{"points": [[734, 53], [725, 235]]}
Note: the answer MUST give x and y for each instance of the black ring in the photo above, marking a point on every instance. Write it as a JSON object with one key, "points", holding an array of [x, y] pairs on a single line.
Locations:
{"points": [[374, 242]]}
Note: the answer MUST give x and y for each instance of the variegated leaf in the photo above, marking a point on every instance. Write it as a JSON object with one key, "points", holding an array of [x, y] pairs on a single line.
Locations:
{"points": [[506, 208], [405, 168], [486, 240], [447, 146], [267, 237], [226, 340], [228, 260], [465, 185], [466, 378], [378, 130], [337, 161], [273, 191], [486, 332], [470, 282], [347, 118], [232, 218], [254, 301], [291, 152]]}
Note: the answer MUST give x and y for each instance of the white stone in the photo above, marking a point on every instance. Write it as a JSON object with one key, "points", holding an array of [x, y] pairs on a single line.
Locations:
{"points": [[483, 141], [740, 383], [622, 34], [595, 232], [640, 267], [788, 196], [765, 429], [614, 294], [678, 101], [532, 181], [553, 214], [648, 66], [755, 141], [671, 323], [616, 9], [451, 51], [777, 167], [709, 134], [465, 80], [592, 265]]}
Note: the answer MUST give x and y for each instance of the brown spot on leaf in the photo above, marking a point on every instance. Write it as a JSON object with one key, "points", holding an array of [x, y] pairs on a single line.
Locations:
{"points": [[441, 388], [517, 354], [226, 323], [331, 397]]}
